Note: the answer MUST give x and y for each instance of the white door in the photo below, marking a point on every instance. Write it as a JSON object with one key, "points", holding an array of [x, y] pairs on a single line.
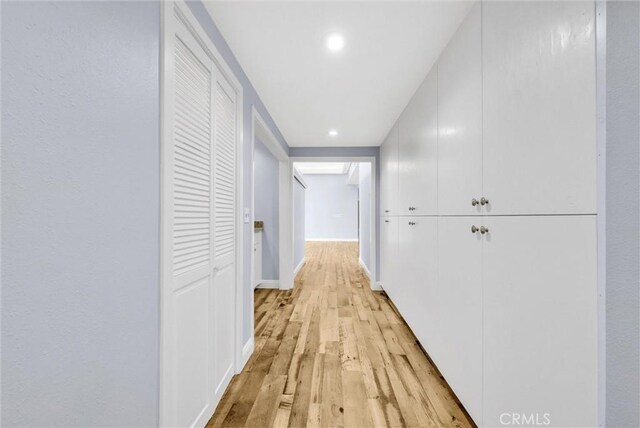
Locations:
{"points": [[539, 99], [224, 232], [418, 151], [457, 343], [460, 119], [540, 320], [389, 255], [418, 267], [389, 173], [188, 263], [198, 274]]}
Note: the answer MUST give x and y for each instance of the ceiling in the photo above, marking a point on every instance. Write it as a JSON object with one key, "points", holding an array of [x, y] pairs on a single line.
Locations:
{"points": [[361, 90], [322, 167]]}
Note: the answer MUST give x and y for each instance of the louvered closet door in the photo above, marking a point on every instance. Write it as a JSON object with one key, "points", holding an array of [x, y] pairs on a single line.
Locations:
{"points": [[189, 165], [224, 222]]}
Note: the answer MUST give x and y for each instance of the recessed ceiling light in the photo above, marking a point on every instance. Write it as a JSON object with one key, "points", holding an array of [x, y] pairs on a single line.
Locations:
{"points": [[333, 133], [334, 42]]}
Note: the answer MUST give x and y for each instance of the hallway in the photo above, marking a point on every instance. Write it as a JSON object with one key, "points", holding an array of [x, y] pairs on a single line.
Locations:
{"points": [[331, 353]]}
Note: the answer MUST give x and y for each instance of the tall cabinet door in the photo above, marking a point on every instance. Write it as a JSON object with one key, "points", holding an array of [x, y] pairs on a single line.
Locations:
{"points": [[540, 319], [389, 254], [418, 270], [539, 106], [418, 151], [389, 173], [460, 119], [457, 340]]}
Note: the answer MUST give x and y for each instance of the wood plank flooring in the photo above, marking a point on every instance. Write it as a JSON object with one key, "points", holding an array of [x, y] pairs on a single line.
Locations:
{"points": [[332, 353]]}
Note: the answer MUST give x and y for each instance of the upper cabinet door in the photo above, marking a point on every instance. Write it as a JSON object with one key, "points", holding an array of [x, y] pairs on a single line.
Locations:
{"points": [[539, 105], [418, 151], [460, 119], [389, 173]]}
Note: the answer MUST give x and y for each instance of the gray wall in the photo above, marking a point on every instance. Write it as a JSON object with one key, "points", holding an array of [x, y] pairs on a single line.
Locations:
{"points": [[331, 208], [251, 98], [266, 206], [80, 220], [364, 194], [319, 152], [298, 222], [623, 220]]}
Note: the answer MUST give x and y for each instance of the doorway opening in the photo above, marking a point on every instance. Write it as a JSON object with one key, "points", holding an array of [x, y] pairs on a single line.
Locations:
{"points": [[334, 210]]}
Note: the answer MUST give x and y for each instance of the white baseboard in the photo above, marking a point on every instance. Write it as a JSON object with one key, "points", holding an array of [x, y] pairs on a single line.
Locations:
{"points": [[269, 283], [297, 269], [330, 240], [376, 286], [247, 350], [364, 268]]}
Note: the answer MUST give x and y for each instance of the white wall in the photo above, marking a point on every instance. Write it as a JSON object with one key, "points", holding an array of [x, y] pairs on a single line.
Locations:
{"points": [[80, 219], [266, 206], [622, 214], [364, 192], [331, 208]]}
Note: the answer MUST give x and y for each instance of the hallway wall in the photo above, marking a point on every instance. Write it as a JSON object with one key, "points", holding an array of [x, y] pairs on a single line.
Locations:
{"points": [[80, 213], [623, 214], [331, 208], [266, 206]]}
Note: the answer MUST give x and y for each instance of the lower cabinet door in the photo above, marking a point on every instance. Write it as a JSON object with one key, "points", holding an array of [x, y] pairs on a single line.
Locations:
{"points": [[389, 254], [456, 342], [540, 321], [418, 269]]}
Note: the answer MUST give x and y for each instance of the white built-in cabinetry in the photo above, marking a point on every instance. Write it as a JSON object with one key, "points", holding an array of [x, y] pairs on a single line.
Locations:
{"points": [[488, 204]]}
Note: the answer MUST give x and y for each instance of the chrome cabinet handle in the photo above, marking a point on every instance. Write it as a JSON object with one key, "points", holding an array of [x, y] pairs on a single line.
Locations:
{"points": [[484, 201], [411, 223], [386, 221], [474, 229], [484, 230], [474, 202], [386, 211]]}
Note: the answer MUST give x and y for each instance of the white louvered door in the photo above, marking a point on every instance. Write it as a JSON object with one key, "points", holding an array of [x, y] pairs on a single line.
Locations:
{"points": [[199, 231], [224, 231]]}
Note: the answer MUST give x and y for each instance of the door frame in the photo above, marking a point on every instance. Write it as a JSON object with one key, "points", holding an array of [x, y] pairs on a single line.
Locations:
{"points": [[373, 251], [262, 131], [173, 13]]}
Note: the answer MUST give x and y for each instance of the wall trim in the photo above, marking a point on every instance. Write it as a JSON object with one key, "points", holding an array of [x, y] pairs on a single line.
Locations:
{"points": [[376, 286], [364, 268], [247, 351], [268, 284], [297, 269]]}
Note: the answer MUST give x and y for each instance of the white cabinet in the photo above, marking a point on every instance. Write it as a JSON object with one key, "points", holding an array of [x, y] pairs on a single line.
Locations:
{"points": [[457, 342], [389, 174], [539, 107], [257, 258], [418, 151], [460, 120], [509, 316], [389, 254], [540, 319], [418, 274]]}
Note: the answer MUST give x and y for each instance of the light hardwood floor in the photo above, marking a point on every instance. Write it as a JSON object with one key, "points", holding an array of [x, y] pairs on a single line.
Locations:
{"points": [[332, 353]]}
